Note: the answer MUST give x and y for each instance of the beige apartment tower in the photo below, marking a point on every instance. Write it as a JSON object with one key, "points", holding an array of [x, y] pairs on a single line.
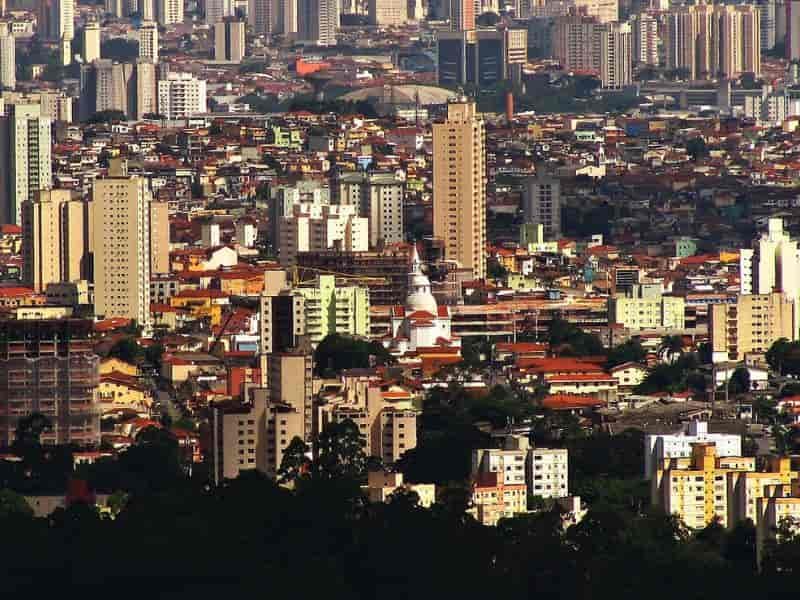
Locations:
{"points": [[753, 324], [459, 186], [159, 237], [91, 42], [54, 239], [148, 42], [121, 244], [229, 41]]}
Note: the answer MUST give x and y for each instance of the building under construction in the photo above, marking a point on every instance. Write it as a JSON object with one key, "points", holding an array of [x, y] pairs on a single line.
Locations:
{"points": [[49, 367], [384, 272]]}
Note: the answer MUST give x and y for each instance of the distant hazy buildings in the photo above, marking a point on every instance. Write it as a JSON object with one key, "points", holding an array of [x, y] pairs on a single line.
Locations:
{"points": [[483, 56], [710, 41], [542, 204], [387, 12], [583, 43], [317, 21], [229, 41]]}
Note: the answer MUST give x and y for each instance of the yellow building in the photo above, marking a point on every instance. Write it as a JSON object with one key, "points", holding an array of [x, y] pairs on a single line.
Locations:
{"points": [[119, 391], [705, 486], [112, 365], [753, 324], [201, 304]]}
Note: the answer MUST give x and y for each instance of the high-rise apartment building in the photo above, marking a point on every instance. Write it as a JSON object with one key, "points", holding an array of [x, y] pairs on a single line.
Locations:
{"points": [[148, 41], [118, 9], [707, 486], [217, 10], [793, 29], [329, 308], [583, 43], [159, 238], [385, 13], [542, 204], [181, 95], [49, 367], [616, 53], [772, 264], [120, 229], [576, 42], [8, 61], [312, 227], [262, 16], [25, 166], [54, 243], [712, 41], [644, 27], [769, 14], [379, 198], [753, 324], [462, 15], [229, 40], [389, 428], [169, 12], [662, 446], [126, 87], [459, 186], [56, 20], [317, 21], [91, 42], [544, 471]]}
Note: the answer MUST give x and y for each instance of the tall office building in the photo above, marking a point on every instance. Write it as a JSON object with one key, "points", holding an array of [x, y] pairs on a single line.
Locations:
{"points": [[148, 41], [462, 14], [459, 186], [8, 61], [25, 155], [181, 95], [645, 39], [120, 229], [793, 29], [616, 55], [169, 12], [229, 40], [262, 16], [49, 367], [116, 8], [768, 11], [542, 204], [217, 10], [481, 56], [55, 241], [91, 42], [286, 20], [55, 20], [713, 41], [317, 21]]}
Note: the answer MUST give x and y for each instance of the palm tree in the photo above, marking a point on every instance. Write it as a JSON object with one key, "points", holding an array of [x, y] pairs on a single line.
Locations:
{"points": [[671, 347]]}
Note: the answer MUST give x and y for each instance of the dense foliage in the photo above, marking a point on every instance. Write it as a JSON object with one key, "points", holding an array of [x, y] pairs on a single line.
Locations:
{"points": [[336, 353], [177, 538]]}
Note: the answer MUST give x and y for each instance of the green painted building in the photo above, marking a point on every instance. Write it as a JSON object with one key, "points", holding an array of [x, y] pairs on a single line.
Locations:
{"points": [[334, 309]]}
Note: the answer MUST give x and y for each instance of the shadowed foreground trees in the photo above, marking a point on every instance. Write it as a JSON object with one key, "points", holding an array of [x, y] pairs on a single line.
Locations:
{"points": [[250, 536]]}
